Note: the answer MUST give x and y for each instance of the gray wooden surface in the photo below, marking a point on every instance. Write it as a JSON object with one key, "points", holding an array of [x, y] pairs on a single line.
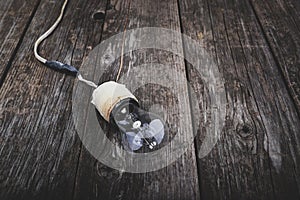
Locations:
{"points": [[255, 45]]}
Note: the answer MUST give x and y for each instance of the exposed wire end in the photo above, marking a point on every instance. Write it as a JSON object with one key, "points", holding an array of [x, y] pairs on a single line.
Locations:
{"points": [[90, 83], [70, 70]]}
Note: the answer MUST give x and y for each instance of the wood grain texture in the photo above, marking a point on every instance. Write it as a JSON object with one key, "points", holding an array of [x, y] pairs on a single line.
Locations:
{"points": [[39, 147], [280, 21], [258, 154], [256, 47], [15, 16], [177, 181]]}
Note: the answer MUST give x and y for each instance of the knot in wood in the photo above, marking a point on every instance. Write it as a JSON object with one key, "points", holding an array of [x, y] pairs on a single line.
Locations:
{"points": [[245, 130]]}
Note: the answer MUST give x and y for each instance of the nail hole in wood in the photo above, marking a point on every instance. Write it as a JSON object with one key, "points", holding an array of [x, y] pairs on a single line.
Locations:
{"points": [[99, 15]]}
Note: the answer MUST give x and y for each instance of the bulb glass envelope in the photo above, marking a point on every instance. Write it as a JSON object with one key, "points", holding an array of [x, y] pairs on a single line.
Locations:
{"points": [[120, 107]]}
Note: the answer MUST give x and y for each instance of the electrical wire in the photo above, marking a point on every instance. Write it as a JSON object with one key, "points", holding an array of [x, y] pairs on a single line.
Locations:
{"points": [[90, 83], [55, 64], [48, 32]]}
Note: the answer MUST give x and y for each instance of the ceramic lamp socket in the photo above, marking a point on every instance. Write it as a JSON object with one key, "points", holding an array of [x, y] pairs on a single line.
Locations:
{"points": [[108, 95]]}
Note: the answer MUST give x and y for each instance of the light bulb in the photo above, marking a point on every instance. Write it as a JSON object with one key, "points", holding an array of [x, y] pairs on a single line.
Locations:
{"points": [[139, 127], [120, 108]]}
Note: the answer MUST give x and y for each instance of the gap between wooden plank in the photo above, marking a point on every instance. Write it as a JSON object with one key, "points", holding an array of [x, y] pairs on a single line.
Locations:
{"points": [[241, 165], [39, 144], [190, 100], [292, 92], [4, 71], [81, 146]]}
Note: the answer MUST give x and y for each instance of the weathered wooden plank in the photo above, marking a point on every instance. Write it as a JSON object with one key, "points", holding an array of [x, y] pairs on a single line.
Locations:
{"points": [[14, 19], [177, 181], [257, 156], [39, 148], [280, 22]]}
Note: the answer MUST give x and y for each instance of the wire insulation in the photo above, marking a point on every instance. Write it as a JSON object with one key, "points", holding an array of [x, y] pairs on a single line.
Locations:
{"points": [[55, 64], [47, 33]]}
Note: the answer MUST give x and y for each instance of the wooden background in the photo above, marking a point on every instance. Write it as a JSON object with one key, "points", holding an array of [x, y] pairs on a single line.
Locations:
{"points": [[256, 45]]}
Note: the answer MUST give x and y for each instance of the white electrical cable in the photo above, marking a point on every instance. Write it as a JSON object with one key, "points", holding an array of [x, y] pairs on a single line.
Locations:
{"points": [[49, 32]]}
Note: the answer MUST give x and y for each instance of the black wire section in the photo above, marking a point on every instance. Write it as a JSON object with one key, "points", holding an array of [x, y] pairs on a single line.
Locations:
{"points": [[61, 67]]}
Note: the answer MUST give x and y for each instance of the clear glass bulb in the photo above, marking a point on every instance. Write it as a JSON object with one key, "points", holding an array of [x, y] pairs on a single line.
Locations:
{"points": [[138, 127]]}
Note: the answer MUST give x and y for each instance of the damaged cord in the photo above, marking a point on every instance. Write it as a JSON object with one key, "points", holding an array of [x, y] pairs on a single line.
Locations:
{"points": [[56, 65]]}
